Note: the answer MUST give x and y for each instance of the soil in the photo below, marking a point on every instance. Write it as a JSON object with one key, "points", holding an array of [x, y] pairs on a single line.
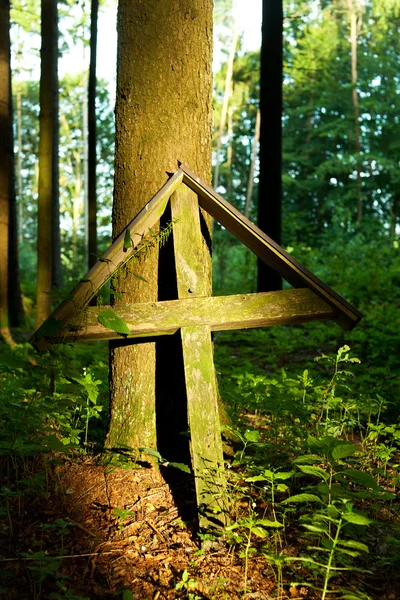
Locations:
{"points": [[123, 531]]}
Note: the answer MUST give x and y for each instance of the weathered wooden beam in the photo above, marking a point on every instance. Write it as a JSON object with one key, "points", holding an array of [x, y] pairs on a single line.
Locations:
{"points": [[218, 313], [268, 250], [201, 384], [204, 425], [116, 256]]}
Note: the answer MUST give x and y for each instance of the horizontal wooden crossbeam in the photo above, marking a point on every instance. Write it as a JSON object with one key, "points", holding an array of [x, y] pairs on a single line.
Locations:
{"points": [[218, 313], [267, 250]]}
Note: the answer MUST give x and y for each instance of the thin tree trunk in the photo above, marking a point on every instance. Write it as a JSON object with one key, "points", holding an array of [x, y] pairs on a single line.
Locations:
{"points": [[92, 160], [76, 202], [225, 103], [48, 201], [163, 114], [19, 163], [6, 159], [254, 153], [85, 140], [355, 14], [394, 214], [229, 155], [15, 303], [56, 275], [270, 179]]}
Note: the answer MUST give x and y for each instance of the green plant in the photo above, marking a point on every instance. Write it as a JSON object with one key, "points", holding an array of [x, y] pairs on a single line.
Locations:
{"points": [[190, 585], [243, 531], [329, 514]]}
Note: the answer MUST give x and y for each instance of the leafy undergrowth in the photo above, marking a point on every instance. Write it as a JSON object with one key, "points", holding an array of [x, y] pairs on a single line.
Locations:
{"points": [[312, 477]]}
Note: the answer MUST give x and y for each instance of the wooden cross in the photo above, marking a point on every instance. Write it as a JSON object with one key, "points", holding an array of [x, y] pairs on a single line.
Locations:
{"points": [[195, 313]]}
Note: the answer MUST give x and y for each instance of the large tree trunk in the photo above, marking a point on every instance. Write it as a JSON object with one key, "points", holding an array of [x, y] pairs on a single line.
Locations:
{"points": [[6, 157], [92, 204], [163, 114], [48, 269], [270, 179]]}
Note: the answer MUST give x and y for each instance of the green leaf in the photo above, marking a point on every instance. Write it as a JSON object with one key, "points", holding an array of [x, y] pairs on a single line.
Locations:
{"points": [[139, 277], [353, 544], [283, 475], [255, 478], [110, 320], [282, 487], [127, 239], [302, 498], [116, 294], [356, 476], [151, 452], [306, 459], [252, 435], [343, 451], [259, 532], [180, 466], [127, 595], [268, 523], [317, 528], [317, 471], [356, 519]]}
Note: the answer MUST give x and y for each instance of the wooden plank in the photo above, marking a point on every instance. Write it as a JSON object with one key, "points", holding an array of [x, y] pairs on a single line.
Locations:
{"points": [[189, 247], [116, 256], [268, 250], [201, 385], [204, 425], [218, 313]]}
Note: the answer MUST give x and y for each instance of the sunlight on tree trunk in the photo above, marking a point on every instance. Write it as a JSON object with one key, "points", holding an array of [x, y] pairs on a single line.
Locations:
{"points": [[163, 114], [254, 153], [225, 103], [355, 15], [6, 159], [92, 199], [48, 209]]}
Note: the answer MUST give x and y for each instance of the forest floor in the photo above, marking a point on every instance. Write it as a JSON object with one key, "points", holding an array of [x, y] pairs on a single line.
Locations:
{"points": [[75, 525], [120, 529], [118, 533]]}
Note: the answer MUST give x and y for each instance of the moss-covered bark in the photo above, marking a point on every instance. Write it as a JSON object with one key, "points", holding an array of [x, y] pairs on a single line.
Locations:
{"points": [[163, 114]]}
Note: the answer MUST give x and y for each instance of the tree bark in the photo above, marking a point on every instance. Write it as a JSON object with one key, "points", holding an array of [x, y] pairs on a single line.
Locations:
{"points": [[270, 180], [6, 157], [48, 269], [163, 114], [92, 206]]}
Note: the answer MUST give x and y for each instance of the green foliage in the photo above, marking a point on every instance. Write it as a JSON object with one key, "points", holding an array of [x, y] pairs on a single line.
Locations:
{"points": [[303, 471], [110, 320]]}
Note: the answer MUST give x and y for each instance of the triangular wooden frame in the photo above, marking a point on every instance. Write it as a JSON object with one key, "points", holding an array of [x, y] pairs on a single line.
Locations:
{"points": [[62, 325], [194, 313]]}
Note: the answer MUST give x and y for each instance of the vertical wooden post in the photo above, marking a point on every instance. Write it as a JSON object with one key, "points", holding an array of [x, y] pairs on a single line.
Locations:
{"points": [[201, 385]]}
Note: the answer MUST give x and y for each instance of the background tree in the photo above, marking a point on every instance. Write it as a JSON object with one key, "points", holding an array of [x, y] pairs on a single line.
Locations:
{"points": [[92, 160], [48, 269], [270, 179], [163, 113], [6, 165]]}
